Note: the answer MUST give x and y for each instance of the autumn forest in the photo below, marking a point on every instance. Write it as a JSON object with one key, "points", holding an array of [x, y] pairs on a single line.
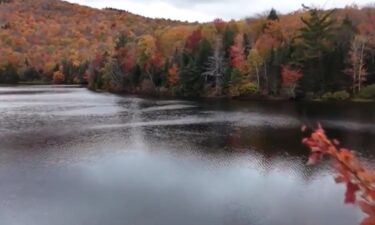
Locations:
{"points": [[310, 53]]}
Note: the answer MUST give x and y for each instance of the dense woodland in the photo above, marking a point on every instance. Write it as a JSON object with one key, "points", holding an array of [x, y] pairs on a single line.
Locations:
{"points": [[310, 53]]}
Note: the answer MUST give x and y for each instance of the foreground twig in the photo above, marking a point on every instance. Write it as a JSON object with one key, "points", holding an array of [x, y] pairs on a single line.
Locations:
{"points": [[359, 181]]}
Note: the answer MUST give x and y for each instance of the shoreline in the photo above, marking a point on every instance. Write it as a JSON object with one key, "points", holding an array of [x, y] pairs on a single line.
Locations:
{"points": [[254, 98], [157, 94]]}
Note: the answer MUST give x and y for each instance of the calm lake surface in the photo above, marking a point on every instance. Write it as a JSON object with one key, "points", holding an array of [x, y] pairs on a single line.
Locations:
{"points": [[69, 156]]}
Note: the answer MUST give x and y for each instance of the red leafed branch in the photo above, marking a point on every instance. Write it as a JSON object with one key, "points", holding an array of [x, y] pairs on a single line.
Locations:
{"points": [[359, 181]]}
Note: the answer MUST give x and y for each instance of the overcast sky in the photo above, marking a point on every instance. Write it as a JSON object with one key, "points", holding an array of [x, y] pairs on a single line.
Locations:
{"points": [[207, 10]]}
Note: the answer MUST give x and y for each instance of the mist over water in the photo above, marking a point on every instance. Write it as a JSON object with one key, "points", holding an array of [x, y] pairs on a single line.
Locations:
{"points": [[71, 156]]}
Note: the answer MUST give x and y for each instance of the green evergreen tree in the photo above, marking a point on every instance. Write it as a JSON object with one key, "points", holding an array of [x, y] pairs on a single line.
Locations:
{"points": [[204, 52], [135, 75], [228, 37], [30, 74], [315, 42], [273, 15], [190, 81], [9, 75]]}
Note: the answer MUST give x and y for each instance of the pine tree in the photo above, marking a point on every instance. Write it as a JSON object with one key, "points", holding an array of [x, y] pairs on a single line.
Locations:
{"points": [[273, 15], [204, 52], [190, 81], [9, 75], [228, 38], [315, 41]]}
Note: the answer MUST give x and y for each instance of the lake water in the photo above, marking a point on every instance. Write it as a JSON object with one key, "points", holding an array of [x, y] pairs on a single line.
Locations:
{"points": [[69, 156]]}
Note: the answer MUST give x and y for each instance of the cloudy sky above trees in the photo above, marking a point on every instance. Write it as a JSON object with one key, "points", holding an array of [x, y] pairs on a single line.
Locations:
{"points": [[207, 10]]}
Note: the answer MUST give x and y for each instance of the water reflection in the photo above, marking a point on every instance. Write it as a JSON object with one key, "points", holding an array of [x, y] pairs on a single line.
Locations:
{"points": [[70, 156]]}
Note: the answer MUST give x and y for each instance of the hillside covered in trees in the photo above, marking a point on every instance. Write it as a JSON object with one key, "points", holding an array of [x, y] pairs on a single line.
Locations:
{"points": [[308, 53]]}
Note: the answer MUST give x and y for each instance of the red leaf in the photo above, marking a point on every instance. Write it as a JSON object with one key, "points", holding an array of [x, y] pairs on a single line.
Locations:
{"points": [[370, 193], [340, 179], [350, 195], [345, 154], [368, 221], [367, 208]]}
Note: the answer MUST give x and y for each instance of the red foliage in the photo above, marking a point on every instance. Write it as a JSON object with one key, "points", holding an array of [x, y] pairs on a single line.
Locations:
{"points": [[290, 75], [193, 39], [127, 58], [156, 60], [237, 52], [360, 182], [97, 61], [367, 27], [351, 190], [128, 63], [236, 59], [219, 24]]}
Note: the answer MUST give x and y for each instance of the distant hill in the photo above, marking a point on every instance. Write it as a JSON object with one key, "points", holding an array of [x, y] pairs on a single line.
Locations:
{"points": [[45, 31]]}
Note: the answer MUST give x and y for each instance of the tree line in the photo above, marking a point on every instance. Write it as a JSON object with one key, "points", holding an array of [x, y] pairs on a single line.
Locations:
{"points": [[309, 53]]}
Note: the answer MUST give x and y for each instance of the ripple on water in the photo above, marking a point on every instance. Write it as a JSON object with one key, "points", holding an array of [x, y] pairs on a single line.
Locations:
{"points": [[71, 156]]}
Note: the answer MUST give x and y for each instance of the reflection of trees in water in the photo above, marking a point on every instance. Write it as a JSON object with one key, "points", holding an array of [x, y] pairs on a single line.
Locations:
{"points": [[271, 144], [273, 150], [131, 115]]}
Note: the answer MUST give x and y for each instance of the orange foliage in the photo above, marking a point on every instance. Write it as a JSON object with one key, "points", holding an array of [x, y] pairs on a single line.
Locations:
{"points": [[265, 43], [149, 54], [58, 77], [172, 75], [61, 30], [174, 38], [127, 57], [359, 181]]}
